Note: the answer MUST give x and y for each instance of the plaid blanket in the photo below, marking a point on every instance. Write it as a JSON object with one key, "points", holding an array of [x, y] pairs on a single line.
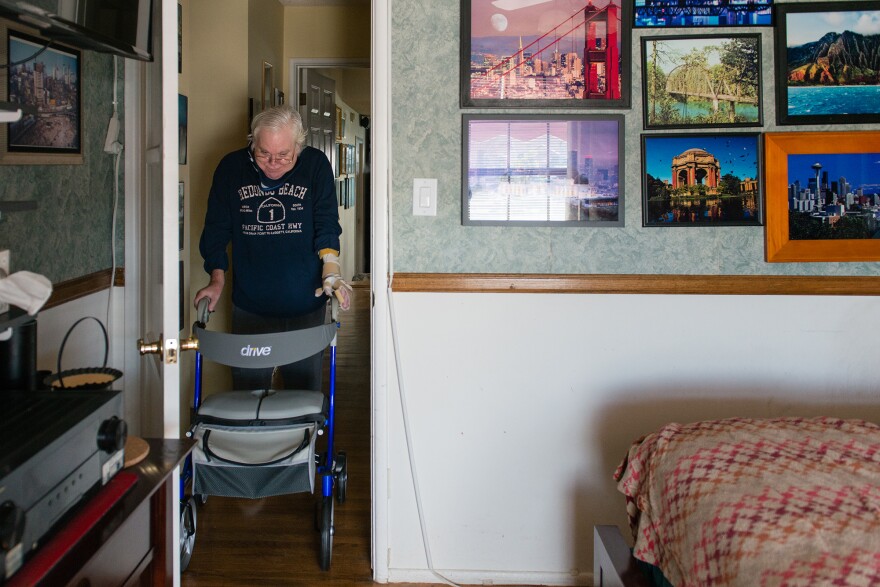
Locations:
{"points": [[751, 502]]}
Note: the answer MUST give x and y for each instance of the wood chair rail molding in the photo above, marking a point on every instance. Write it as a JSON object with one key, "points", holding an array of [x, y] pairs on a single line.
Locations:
{"points": [[756, 285], [759, 285], [79, 287]]}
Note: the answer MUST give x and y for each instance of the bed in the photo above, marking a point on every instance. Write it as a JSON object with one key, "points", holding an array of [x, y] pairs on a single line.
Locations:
{"points": [[748, 502]]}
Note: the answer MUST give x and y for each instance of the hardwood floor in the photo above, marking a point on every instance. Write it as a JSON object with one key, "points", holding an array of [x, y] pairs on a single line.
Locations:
{"points": [[273, 541]]}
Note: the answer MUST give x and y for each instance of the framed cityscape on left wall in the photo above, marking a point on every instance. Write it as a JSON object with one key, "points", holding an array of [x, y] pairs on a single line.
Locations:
{"points": [[44, 80]]}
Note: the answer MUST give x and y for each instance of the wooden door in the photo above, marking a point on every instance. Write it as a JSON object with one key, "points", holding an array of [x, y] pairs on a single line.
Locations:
{"points": [[318, 109]]}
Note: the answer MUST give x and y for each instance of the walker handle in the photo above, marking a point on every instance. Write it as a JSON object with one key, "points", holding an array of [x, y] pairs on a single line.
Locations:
{"points": [[334, 309], [202, 312]]}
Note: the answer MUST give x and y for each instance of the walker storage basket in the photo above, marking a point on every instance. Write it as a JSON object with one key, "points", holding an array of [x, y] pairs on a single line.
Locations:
{"points": [[257, 443]]}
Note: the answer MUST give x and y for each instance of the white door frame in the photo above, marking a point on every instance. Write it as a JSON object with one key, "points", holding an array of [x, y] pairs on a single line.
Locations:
{"points": [[380, 253], [133, 154]]}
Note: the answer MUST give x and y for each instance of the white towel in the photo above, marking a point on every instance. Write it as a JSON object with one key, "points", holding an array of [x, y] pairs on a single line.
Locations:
{"points": [[26, 290]]}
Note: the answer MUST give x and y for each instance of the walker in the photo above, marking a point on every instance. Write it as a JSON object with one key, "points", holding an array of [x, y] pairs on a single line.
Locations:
{"points": [[260, 443]]}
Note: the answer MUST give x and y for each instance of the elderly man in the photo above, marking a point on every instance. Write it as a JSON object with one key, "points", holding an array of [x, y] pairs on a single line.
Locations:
{"points": [[275, 200]]}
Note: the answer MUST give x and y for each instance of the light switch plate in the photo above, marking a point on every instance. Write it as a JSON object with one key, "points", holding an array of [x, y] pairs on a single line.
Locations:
{"points": [[424, 196]]}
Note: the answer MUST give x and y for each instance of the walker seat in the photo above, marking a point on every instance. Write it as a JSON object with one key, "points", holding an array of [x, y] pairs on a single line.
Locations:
{"points": [[257, 443]]}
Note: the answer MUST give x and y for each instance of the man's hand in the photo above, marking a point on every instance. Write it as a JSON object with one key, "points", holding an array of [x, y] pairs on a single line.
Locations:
{"points": [[212, 291], [334, 285], [332, 282]]}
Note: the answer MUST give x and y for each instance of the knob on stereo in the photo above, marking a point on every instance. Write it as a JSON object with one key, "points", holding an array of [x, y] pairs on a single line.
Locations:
{"points": [[112, 434], [11, 525]]}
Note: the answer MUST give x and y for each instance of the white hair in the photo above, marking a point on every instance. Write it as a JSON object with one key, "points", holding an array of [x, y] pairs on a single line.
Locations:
{"points": [[280, 118]]}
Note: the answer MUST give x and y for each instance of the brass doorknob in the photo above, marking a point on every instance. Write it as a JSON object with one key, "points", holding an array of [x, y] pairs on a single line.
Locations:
{"points": [[150, 348], [189, 344]]}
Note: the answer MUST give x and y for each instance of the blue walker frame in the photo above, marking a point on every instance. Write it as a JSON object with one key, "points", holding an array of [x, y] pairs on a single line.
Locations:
{"points": [[331, 467]]}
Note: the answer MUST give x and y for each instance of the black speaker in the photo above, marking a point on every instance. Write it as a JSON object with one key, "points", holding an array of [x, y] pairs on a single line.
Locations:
{"points": [[18, 357]]}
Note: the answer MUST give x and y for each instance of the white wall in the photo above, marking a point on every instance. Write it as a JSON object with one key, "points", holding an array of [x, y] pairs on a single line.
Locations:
{"points": [[85, 345], [521, 406]]}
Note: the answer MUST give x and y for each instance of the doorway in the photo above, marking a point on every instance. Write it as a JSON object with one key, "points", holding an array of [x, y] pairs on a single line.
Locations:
{"points": [[351, 84]]}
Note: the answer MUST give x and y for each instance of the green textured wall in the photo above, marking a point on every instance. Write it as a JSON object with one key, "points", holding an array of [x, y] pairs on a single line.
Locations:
{"points": [[69, 233], [426, 142]]}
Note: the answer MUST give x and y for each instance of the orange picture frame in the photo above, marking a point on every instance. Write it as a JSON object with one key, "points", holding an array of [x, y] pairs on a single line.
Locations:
{"points": [[778, 148]]}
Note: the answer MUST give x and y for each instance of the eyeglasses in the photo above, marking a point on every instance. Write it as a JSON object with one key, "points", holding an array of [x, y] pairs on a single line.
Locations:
{"points": [[270, 159]]}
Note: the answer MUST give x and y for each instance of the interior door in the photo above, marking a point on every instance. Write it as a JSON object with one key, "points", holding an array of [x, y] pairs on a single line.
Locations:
{"points": [[151, 292], [318, 109], [157, 240]]}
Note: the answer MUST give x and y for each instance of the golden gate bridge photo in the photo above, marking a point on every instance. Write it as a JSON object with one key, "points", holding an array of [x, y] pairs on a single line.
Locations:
{"points": [[577, 56]]}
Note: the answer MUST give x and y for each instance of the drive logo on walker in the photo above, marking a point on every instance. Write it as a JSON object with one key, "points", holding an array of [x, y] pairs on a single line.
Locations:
{"points": [[255, 351]]}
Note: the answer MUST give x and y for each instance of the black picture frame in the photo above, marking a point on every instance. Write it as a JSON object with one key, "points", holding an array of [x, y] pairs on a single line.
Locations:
{"points": [[181, 214], [660, 14], [182, 125], [179, 38], [542, 170], [813, 86], [51, 123], [697, 192], [492, 76], [685, 79]]}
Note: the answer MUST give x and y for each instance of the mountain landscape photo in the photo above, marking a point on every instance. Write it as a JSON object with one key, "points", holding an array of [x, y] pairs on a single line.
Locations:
{"points": [[846, 58]]}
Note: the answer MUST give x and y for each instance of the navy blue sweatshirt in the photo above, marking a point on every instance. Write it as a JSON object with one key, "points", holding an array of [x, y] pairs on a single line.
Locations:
{"points": [[276, 231]]}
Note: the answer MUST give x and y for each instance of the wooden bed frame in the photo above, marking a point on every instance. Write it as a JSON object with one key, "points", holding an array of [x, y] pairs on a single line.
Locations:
{"points": [[613, 563]]}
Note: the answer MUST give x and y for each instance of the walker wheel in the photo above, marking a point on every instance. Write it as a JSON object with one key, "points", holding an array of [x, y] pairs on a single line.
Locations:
{"points": [[341, 473], [187, 531], [326, 531]]}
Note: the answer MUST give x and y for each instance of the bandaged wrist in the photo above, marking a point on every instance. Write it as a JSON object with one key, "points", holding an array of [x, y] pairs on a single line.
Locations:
{"points": [[331, 264], [330, 269]]}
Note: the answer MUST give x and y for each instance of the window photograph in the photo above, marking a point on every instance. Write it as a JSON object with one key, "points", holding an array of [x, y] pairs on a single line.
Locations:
{"points": [[542, 170]]}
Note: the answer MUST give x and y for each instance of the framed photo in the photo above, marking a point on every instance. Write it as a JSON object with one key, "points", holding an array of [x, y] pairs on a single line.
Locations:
{"points": [[350, 160], [179, 38], [700, 81], [702, 13], [340, 124], [701, 179], [823, 191], [542, 170], [552, 53], [278, 100], [181, 214], [182, 114], [827, 62], [45, 83], [268, 84]]}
